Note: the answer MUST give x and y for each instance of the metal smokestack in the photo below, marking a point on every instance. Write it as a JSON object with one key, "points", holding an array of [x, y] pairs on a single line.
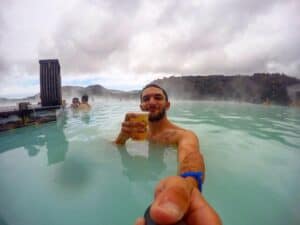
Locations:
{"points": [[50, 82]]}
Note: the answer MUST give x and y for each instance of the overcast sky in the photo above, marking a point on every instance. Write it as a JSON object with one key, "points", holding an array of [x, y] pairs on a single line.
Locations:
{"points": [[124, 44]]}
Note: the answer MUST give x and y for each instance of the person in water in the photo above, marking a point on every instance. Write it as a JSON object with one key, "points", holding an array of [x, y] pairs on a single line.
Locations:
{"points": [[84, 105], [173, 195], [75, 103]]}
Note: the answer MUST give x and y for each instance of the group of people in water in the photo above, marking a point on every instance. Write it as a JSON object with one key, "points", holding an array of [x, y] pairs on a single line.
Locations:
{"points": [[83, 105]]}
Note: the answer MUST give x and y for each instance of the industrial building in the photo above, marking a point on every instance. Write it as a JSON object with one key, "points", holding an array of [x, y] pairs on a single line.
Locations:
{"points": [[50, 82]]}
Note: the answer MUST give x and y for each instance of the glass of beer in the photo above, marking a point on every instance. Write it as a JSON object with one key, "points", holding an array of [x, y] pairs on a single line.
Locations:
{"points": [[139, 133]]}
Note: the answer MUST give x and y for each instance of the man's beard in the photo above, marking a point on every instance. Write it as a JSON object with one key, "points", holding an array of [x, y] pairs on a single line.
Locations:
{"points": [[158, 117]]}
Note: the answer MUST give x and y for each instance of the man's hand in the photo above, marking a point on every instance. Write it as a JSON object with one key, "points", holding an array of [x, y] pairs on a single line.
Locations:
{"points": [[171, 200], [176, 199], [129, 128]]}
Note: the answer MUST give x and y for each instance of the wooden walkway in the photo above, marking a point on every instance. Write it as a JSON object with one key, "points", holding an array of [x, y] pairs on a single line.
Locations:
{"points": [[14, 110]]}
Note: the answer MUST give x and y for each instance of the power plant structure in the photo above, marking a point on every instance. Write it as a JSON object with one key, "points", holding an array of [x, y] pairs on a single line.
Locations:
{"points": [[50, 82], [46, 111]]}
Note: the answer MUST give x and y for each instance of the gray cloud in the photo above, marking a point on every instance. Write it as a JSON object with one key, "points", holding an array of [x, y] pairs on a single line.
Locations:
{"points": [[4, 5], [3, 26], [12, 66], [84, 49], [116, 6], [174, 37], [210, 29]]}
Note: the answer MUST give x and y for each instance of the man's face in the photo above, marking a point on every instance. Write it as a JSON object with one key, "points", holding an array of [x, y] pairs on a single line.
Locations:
{"points": [[154, 102]]}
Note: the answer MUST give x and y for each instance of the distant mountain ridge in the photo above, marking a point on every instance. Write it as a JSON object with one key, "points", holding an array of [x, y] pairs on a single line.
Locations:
{"points": [[68, 92], [97, 91], [259, 88]]}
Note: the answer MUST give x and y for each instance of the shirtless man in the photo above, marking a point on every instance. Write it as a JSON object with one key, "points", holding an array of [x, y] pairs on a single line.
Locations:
{"points": [[173, 195], [84, 105]]}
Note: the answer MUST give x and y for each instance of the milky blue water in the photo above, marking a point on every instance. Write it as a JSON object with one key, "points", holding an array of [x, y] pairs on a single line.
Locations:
{"points": [[69, 172]]}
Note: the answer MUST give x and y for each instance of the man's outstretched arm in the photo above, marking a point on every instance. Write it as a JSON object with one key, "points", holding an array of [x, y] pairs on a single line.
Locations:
{"points": [[190, 158], [173, 195]]}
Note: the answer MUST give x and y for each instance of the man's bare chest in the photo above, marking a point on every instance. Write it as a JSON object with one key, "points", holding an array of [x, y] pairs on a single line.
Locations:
{"points": [[169, 137]]}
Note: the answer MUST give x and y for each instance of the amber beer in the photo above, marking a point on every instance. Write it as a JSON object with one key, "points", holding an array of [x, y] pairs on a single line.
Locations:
{"points": [[140, 117]]}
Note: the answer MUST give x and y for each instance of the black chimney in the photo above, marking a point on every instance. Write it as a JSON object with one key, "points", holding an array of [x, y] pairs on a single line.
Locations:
{"points": [[50, 82]]}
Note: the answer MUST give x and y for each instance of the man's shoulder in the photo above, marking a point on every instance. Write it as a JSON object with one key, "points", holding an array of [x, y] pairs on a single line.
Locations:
{"points": [[84, 105], [179, 133], [177, 136], [182, 131], [185, 133]]}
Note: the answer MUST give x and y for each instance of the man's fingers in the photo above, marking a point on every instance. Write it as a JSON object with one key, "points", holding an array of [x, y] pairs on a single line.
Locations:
{"points": [[129, 127], [127, 124], [125, 128], [127, 117], [171, 201], [133, 124], [141, 129]]}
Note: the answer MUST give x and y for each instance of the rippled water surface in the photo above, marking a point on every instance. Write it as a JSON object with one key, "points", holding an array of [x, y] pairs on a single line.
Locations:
{"points": [[69, 172]]}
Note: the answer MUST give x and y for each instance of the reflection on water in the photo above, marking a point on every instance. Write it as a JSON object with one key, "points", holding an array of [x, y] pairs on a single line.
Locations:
{"points": [[143, 168], [72, 174], [57, 152], [86, 118], [83, 115], [35, 138]]}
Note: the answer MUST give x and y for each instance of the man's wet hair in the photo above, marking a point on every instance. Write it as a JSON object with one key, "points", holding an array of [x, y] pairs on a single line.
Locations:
{"points": [[156, 86], [85, 98]]}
